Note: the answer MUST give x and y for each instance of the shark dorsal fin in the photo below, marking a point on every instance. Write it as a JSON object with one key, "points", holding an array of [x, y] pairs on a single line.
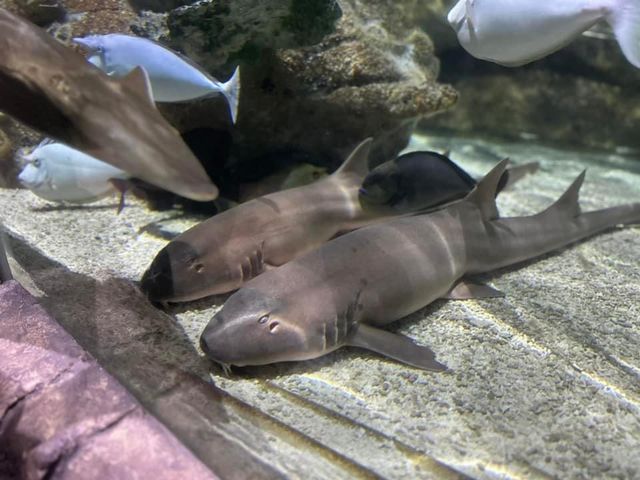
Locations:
{"points": [[358, 161], [484, 195], [137, 80], [568, 204]]}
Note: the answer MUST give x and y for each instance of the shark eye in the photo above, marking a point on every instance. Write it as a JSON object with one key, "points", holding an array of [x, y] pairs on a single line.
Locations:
{"points": [[264, 319], [198, 267], [273, 326]]}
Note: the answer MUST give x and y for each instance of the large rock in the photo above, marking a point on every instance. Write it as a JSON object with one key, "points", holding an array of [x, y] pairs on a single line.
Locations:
{"points": [[219, 32], [375, 75], [562, 98], [62, 416]]}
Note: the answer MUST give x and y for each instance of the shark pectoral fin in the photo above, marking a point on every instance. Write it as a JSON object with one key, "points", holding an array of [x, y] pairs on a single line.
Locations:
{"points": [[138, 81], [395, 346], [464, 290]]}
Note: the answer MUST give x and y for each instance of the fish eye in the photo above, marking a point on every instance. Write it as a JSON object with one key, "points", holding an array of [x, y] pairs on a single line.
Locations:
{"points": [[198, 267], [315, 175], [37, 163], [263, 319], [273, 326]]}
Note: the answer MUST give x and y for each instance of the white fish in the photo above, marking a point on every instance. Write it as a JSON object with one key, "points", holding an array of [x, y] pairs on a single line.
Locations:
{"points": [[173, 77], [515, 32], [57, 172]]}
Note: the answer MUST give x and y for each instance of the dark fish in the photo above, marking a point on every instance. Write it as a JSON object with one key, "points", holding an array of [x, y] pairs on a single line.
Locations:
{"points": [[424, 180], [54, 90], [414, 181], [343, 292]]}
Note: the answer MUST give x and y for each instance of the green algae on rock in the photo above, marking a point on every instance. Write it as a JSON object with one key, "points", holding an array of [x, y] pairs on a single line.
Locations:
{"points": [[214, 32]]}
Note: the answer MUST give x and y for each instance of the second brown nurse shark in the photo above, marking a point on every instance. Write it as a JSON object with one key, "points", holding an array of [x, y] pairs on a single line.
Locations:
{"points": [[343, 292]]}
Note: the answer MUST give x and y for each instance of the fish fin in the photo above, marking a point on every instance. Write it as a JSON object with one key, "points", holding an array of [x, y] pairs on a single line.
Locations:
{"points": [[138, 81], [45, 141], [516, 173], [484, 195], [465, 290], [470, 15], [456, 15], [568, 204], [122, 186], [358, 160], [625, 22], [394, 346], [231, 91]]}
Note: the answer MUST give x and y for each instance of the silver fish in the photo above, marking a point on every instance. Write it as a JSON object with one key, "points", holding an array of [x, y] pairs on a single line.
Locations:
{"points": [[54, 90], [57, 172], [515, 32], [173, 77], [343, 292]]}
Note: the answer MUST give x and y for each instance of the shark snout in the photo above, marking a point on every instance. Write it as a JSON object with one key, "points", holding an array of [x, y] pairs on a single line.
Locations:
{"points": [[217, 343], [169, 276]]}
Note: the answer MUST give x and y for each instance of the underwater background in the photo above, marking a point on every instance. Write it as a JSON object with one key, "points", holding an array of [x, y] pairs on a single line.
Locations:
{"points": [[544, 383]]}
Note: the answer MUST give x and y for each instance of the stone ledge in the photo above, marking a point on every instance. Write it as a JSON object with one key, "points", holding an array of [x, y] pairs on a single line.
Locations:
{"points": [[63, 416]]}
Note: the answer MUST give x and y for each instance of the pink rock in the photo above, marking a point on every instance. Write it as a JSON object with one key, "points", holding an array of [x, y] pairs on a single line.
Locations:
{"points": [[62, 416]]}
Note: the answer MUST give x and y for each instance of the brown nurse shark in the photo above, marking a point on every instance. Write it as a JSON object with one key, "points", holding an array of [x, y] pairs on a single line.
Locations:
{"points": [[343, 292], [221, 253], [53, 89]]}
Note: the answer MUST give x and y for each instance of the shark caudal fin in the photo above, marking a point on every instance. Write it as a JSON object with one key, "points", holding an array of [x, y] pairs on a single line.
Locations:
{"points": [[231, 91], [484, 195], [358, 161], [625, 22]]}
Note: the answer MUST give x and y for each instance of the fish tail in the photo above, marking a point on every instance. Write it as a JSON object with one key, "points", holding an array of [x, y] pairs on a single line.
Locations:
{"points": [[563, 223], [231, 91], [625, 22]]}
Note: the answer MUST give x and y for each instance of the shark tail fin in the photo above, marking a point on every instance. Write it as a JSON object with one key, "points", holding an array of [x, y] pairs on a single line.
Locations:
{"points": [[484, 195], [625, 22], [231, 91], [358, 161], [568, 204]]}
